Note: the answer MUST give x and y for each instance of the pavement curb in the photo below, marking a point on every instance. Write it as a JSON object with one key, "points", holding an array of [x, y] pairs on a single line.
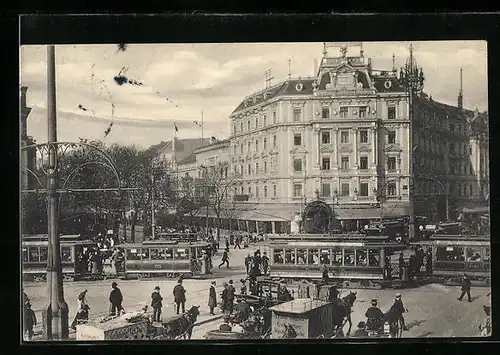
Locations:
{"points": [[208, 320]]}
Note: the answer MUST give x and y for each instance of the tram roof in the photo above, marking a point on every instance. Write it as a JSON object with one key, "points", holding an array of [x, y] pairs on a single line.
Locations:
{"points": [[62, 238], [330, 238], [165, 244], [462, 243], [460, 237]]}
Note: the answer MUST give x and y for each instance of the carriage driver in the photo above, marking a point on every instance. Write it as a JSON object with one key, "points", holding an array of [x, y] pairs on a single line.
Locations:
{"points": [[374, 316]]}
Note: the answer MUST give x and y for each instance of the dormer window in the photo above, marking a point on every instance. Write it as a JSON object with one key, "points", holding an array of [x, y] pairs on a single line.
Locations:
{"points": [[391, 112], [362, 112]]}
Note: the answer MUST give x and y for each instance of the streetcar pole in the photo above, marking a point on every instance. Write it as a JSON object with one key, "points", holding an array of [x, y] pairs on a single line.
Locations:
{"points": [[56, 312]]}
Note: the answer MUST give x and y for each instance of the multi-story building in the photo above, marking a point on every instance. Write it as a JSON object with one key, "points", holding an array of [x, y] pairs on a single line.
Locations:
{"points": [[346, 136], [28, 156]]}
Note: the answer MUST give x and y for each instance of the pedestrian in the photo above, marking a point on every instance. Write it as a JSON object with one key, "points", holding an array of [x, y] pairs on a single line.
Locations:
{"points": [[324, 274], [400, 309], [82, 309], [465, 288], [237, 242], [401, 265], [26, 299], [225, 258], [243, 288], [180, 296], [227, 243], [156, 304], [486, 328], [428, 262], [230, 296], [223, 296], [265, 263], [29, 320], [115, 300], [212, 298], [248, 260]]}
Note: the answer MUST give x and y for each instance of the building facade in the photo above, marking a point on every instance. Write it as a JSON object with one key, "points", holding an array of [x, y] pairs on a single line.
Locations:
{"points": [[27, 155]]}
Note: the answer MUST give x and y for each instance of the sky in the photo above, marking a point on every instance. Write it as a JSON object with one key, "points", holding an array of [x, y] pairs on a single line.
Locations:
{"points": [[180, 81]]}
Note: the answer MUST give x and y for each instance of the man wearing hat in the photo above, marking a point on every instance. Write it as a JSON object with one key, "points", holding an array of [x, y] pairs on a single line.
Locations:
{"points": [[82, 310], [230, 296], [115, 300], [29, 320], [361, 331], [400, 309], [180, 296], [243, 310], [212, 298], [156, 304], [465, 288], [243, 288], [374, 316]]}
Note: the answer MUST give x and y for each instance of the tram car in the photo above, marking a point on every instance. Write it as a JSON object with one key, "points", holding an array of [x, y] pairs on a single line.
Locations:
{"points": [[355, 260], [35, 254], [180, 237], [454, 255], [163, 258]]}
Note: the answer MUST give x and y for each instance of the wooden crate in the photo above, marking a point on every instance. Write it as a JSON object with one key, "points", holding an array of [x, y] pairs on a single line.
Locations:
{"points": [[310, 318], [115, 329]]}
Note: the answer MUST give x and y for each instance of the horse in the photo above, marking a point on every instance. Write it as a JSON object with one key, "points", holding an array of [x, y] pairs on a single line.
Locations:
{"points": [[392, 317], [182, 325], [342, 310]]}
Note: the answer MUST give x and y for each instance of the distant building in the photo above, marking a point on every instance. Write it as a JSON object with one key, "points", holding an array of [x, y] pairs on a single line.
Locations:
{"points": [[27, 156]]}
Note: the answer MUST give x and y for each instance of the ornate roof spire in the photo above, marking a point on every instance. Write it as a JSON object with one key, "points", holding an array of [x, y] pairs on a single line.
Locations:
{"points": [[393, 62]]}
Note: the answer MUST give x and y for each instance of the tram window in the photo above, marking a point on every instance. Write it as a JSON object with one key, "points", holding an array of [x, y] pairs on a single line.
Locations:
{"points": [[486, 254], [337, 257], [169, 253], [25, 254], [349, 257], [289, 256], [156, 254], [34, 254], [325, 256], [473, 254], [65, 254], [145, 254], [301, 256], [278, 256], [181, 254], [450, 254], [133, 254], [313, 256], [361, 257], [373, 257]]}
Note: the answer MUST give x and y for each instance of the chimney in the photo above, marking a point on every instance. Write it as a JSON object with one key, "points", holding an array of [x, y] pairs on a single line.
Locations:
{"points": [[23, 96], [315, 67], [460, 93]]}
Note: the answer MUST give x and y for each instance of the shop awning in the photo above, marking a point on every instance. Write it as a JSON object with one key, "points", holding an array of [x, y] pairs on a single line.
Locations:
{"points": [[358, 213]]}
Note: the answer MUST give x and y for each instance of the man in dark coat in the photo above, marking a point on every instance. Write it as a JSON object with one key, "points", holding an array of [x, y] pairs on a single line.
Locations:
{"points": [[230, 296], [180, 296], [465, 288], [212, 298], [29, 320], [227, 243], [223, 297], [115, 300], [401, 265], [237, 241], [156, 304], [400, 309], [265, 263], [242, 310], [324, 274], [225, 258], [374, 316], [248, 261]]}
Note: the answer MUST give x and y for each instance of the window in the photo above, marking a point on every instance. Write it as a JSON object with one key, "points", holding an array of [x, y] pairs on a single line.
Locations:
{"points": [[391, 163], [249, 148], [391, 112], [297, 112], [65, 254], [278, 256], [391, 189], [313, 257], [289, 256], [325, 112], [325, 256], [325, 163], [182, 254], [265, 167], [265, 190], [297, 190], [337, 257], [452, 128], [473, 254], [391, 137], [34, 254], [325, 190], [248, 124], [373, 257], [274, 116], [241, 170], [241, 127], [234, 128], [363, 163], [265, 119], [249, 190], [362, 112], [144, 254], [348, 257], [25, 255], [274, 141], [235, 191], [450, 254], [249, 169], [301, 256], [297, 164], [452, 147], [264, 144], [242, 190], [256, 168], [361, 257], [256, 191], [344, 136], [325, 137], [343, 112], [345, 189], [363, 189], [363, 136], [297, 139], [241, 148], [486, 254], [344, 163], [256, 122], [157, 254], [257, 145], [133, 254], [44, 254]]}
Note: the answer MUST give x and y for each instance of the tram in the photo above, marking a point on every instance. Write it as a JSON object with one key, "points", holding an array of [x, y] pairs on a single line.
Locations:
{"points": [[180, 237], [353, 260], [35, 255], [454, 255], [170, 258]]}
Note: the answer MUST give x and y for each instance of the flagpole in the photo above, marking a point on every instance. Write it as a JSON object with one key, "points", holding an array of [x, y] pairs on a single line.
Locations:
{"points": [[202, 128]]}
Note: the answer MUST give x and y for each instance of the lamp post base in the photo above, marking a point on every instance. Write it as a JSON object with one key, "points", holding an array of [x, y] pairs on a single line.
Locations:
{"points": [[55, 324]]}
